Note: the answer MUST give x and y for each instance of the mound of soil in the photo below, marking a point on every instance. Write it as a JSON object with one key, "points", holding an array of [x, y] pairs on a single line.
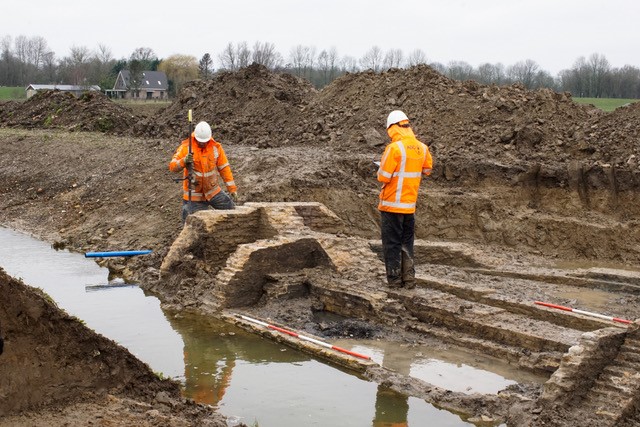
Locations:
{"points": [[458, 119], [62, 362], [252, 106], [613, 137], [92, 111], [463, 122]]}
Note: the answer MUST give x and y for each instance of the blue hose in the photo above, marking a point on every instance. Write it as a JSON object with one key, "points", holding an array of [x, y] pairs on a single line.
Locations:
{"points": [[115, 253]]}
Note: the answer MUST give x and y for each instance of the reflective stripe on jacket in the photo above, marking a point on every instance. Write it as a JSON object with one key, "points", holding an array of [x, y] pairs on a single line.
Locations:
{"points": [[403, 163], [208, 162]]}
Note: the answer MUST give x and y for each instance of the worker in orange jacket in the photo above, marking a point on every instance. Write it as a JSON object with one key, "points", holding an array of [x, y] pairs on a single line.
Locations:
{"points": [[404, 162], [209, 161]]}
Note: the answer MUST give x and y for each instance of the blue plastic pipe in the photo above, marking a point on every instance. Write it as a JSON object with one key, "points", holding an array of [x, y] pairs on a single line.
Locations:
{"points": [[115, 253]]}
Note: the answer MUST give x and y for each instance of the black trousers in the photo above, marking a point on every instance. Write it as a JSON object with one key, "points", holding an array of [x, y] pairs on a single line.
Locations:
{"points": [[397, 245]]}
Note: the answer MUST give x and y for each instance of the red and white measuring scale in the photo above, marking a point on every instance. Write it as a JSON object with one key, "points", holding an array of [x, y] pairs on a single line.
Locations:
{"points": [[587, 313], [304, 338]]}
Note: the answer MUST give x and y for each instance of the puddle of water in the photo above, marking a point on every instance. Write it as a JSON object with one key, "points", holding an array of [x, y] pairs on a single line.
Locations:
{"points": [[122, 314], [452, 369], [589, 298], [234, 371], [248, 378]]}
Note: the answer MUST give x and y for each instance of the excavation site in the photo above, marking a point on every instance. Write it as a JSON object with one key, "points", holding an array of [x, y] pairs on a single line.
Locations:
{"points": [[526, 309]]}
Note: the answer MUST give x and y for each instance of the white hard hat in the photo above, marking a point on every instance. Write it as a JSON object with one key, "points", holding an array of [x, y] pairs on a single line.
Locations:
{"points": [[395, 116], [203, 132]]}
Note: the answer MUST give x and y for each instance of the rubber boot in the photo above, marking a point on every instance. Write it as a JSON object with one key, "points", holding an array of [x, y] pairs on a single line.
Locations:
{"points": [[408, 271]]}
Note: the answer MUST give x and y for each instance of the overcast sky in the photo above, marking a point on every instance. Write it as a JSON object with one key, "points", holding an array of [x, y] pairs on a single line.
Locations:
{"points": [[553, 33]]}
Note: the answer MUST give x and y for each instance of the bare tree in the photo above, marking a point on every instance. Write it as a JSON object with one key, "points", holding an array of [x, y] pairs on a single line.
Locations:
{"points": [[49, 67], [349, 64], [21, 51], [142, 59], [524, 72], [625, 82], [544, 79], [103, 54], [599, 68], [490, 73], [21, 48], [309, 60], [576, 79], [333, 62], [302, 59], [459, 70], [594, 77], [439, 67], [144, 54], [243, 54], [8, 75], [372, 59], [324, 66], [416, 57], [101, 67], [228, 57], [79, 59], [36, 49], [266, 54], [235, 57], [297, 58], [393, 59]]}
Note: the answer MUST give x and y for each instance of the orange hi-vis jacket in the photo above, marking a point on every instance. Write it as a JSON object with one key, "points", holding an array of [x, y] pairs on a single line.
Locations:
{"points": [[208, 162], [403, 163]]}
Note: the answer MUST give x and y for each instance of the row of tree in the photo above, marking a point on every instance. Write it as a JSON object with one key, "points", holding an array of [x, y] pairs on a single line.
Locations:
{"points": [[25, 60]]}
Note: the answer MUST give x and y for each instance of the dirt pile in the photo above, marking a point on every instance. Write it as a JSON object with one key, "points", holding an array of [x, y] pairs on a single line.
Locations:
{"points": [[462, 121], [92, 111], [614, 138], [252, 106], [458, 118], [61, 362]]}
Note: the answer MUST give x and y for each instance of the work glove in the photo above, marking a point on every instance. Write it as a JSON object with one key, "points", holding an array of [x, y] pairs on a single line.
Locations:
{"points": [[234, 197], [188, 159]]}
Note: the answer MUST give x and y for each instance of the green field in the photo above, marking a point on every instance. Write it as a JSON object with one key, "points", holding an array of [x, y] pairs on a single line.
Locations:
{"points": [[12, 93], [605, 104]]}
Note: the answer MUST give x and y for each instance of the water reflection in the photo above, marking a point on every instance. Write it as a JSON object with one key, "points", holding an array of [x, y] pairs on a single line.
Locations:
{"points": [[450, 368], [253, 379], [245, 376], [211, 350]]}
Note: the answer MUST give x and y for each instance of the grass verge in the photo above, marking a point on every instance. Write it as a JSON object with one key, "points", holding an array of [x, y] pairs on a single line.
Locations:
{"points": [[605, 104]]}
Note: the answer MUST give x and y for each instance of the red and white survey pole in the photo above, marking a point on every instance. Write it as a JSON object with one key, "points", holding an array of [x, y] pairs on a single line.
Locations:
{"points": [[587, 313], [302, 337]]}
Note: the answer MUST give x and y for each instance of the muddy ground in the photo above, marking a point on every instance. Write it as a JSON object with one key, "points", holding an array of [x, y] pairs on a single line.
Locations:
{"points": [[528, 180]]}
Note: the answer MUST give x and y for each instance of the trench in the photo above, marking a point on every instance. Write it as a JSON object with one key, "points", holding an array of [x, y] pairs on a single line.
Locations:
{"points": [[246, 377]]}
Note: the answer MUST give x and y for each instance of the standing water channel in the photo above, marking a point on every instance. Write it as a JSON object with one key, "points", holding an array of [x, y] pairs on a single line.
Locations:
{"points": [[247, 378]]}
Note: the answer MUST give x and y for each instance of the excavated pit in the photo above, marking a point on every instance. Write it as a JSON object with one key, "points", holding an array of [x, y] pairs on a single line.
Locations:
{"points": [[529, 194], [291, 252]]}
